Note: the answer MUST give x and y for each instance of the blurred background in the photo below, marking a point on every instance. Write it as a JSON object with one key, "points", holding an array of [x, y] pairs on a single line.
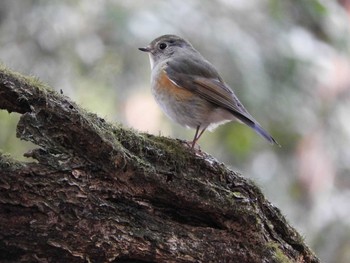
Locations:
{"points": [[288, 62]]}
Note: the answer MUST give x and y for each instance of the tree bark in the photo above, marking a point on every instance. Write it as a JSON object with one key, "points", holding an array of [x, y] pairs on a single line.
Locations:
{"points": [[98, 192]]}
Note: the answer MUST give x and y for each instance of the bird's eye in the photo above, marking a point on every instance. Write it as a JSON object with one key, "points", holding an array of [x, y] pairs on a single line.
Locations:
{"points": [[162, 45]]}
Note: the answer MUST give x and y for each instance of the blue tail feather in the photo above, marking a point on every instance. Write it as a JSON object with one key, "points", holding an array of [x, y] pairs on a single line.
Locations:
{"points": [[263, 133], [249, 120]]}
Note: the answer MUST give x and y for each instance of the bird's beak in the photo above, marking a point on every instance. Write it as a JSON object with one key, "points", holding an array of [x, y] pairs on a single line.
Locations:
{"points": [[145, 49]]}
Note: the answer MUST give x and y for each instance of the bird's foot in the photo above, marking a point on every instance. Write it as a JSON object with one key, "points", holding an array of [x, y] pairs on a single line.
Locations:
{"points": [[192, 145]]}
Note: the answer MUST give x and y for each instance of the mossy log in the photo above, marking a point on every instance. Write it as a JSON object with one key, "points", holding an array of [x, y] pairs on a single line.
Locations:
{"points": [[98, 192]]}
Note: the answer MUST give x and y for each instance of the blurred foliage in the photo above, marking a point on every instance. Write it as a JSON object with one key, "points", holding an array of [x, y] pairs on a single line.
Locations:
{"points": [[288, 61]]}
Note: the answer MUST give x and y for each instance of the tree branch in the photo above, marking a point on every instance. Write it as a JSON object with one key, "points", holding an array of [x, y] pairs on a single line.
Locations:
{"points": [[99, 192]]}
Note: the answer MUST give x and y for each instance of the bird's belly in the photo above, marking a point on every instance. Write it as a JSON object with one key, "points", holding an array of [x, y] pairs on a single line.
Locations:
{"points": [[185, 107]]}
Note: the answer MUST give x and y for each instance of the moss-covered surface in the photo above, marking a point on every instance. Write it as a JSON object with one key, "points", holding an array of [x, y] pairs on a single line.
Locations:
{"points": [[110, 192]]}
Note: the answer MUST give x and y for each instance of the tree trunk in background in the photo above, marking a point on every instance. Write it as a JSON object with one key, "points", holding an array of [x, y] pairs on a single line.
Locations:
{"points": [[98, 192]]}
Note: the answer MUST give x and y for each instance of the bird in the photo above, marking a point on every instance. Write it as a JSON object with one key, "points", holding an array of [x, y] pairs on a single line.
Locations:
{"points": [[190, 91]]}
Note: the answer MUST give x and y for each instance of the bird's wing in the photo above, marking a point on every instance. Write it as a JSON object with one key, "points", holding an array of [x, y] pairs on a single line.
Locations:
{"points": [[200, 77]]}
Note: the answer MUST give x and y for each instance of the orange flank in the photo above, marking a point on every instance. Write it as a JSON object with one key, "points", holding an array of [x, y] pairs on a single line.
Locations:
{"points": [[166, 86]]}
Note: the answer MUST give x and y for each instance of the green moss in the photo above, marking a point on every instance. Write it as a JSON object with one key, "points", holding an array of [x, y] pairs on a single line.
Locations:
{"points": [[143, 148], [236, 195], [278, 254], [167, 154], [28, 80]]}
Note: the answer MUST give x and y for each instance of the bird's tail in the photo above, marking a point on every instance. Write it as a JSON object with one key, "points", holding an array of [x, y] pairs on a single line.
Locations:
{"points": [[248, 120], [258, 129]]}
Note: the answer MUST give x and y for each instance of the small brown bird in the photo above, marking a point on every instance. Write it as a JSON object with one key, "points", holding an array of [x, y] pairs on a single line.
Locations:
{"points": [[190, 90]]}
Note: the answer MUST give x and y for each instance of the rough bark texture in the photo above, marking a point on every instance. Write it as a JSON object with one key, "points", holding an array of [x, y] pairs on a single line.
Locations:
{"points": [[98, 192]]}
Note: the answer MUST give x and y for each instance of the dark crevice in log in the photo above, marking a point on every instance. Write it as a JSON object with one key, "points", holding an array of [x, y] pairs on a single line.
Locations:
{"points": [[181, 215]]}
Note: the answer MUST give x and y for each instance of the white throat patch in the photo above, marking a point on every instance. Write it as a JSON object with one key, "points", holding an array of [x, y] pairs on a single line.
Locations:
{"points": [[151, 60]]}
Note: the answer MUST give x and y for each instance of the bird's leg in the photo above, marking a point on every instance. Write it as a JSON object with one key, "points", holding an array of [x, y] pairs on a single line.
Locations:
{"points": [[197, 136]]}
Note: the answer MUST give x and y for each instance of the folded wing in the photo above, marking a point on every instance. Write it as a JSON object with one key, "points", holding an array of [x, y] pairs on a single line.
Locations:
{"points": [[202, 79]]}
